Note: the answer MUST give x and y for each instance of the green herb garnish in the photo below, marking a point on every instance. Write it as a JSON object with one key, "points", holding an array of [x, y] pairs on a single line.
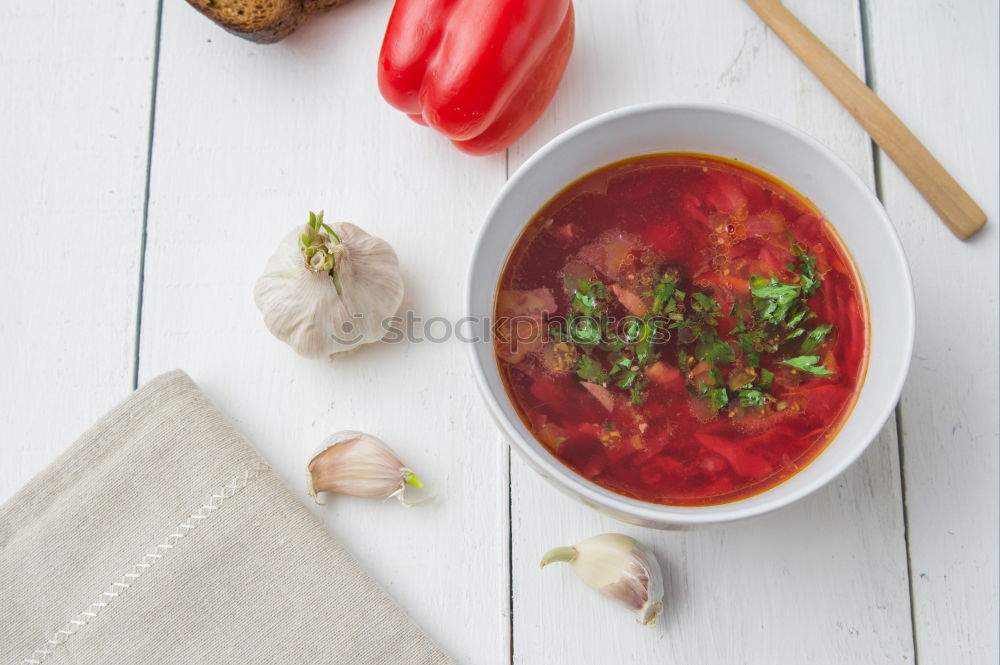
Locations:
{"points": [[753, 398], [644, 347], [718, 398], [715, 353], [773, 319], [628, 379], [589, 369], [663, 295], [809, 278], [808, 364], [705, 304], [614, 354], [773, 300], [585, 330], [815, 338], [589, 298], [633, 328]]}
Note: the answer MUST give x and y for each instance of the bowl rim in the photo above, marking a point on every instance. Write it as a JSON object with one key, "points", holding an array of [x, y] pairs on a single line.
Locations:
{"points": [[619, 505]]}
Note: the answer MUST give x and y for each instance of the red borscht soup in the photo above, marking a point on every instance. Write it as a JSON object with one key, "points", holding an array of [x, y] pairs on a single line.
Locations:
{"points": [[681, 329]]}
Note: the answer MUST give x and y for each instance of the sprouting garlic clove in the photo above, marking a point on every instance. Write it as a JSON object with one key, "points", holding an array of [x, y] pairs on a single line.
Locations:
{"points": [[619, 567], [361, 465], [329, 288]]}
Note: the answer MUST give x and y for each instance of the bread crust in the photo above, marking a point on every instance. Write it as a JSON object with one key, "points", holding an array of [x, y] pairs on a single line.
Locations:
{"points": [[262, 21]]}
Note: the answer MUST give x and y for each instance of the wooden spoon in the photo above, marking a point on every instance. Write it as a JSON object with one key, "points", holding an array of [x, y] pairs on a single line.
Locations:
{"points": [[946, 196]]}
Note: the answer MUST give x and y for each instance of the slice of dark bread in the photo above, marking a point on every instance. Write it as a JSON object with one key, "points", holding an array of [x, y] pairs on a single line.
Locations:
{"points": [[261, 21]]}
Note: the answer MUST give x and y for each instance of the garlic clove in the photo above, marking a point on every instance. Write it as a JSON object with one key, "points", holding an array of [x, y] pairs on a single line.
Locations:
{"points": [[361, 465], [620, 568], [329, 288]]}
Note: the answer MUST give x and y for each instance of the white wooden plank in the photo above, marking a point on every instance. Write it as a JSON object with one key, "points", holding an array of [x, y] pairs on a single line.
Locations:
{"points": [[823, 581], [936, 65], [248, 139], [74, 120]]}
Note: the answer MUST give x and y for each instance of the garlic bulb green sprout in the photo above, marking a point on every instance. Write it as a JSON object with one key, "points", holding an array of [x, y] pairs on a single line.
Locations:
{"points": [[620, 568], [329, 288], [360, 465]]}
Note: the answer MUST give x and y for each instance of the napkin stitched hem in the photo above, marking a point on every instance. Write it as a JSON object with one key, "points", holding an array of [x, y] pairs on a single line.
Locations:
{"points": [[227, 491]]}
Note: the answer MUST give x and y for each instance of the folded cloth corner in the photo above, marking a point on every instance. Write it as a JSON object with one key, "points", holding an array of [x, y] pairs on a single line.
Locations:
{"points": [[161, 536]]}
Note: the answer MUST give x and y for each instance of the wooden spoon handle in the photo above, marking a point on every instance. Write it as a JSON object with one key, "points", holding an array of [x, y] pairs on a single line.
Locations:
{"points": [[946, 196]]}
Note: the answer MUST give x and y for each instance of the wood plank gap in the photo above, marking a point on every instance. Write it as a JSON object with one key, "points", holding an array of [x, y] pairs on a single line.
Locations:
{"points": [[145, 195], [906, 531], [510, 560], [870, 81], [866, 53]]}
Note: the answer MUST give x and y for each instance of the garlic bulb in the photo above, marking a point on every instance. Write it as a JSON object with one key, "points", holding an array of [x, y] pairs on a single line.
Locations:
{"points": [[361, 465], [620, 568], [329, 288]]}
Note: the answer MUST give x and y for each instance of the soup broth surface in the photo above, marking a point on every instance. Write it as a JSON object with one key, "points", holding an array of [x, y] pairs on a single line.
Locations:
{"points": [[681, 329]]}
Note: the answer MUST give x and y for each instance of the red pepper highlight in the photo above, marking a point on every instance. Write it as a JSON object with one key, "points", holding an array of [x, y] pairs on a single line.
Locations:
{"points": [[478, 71]]}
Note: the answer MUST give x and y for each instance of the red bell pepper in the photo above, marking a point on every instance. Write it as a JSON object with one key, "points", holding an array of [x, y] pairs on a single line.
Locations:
{"points": [[478, 71]]}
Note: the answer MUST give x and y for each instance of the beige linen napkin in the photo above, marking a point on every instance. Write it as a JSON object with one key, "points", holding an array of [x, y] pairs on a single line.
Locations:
{"points": [[161, 536]]}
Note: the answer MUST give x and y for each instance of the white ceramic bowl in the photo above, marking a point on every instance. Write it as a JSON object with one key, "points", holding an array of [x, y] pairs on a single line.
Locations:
{"points": [[754, 139]]}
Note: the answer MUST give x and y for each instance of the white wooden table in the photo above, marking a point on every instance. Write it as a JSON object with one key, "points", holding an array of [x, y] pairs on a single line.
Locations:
{"points": [[150, 163]]}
